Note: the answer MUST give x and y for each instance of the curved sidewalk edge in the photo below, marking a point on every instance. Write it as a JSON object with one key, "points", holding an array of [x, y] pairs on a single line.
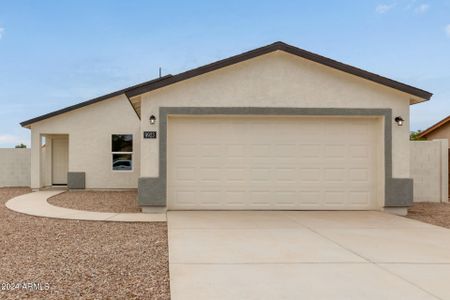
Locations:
{"points": [[35, 204]]}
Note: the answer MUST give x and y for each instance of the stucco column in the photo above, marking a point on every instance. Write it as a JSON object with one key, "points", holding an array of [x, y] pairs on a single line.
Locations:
{"points": [[149, 147], [35, 159]]}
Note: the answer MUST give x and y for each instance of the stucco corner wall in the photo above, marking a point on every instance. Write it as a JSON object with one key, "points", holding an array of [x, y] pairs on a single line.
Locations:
{"points": [[15, 167], [429, 170], [89, 130]]}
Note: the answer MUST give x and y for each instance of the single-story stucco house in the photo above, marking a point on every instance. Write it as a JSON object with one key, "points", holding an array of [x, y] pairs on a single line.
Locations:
{"points": [[275, 128]]}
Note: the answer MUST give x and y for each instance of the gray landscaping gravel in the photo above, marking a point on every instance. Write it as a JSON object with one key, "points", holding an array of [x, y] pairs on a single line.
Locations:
{"points": [[101, 201], [81, 259]]}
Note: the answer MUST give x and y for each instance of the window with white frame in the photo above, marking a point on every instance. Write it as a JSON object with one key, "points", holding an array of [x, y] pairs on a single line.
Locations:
{"points": [[122, 152]]}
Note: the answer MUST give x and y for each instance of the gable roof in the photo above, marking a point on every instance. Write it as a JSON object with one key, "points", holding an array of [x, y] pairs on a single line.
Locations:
{"points": [[277, 46], [280, 46], [434, 127]]}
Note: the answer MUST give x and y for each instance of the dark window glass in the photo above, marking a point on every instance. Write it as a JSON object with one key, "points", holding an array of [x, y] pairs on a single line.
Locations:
{"points": [[122, 162], [122, 143]]}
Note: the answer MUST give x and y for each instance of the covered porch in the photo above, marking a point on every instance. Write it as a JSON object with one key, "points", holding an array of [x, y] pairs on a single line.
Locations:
{"points": [[50, 163]]}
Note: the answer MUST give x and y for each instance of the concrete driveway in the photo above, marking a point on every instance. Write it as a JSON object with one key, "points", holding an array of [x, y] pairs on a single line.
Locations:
{"points": [[306, 255]]}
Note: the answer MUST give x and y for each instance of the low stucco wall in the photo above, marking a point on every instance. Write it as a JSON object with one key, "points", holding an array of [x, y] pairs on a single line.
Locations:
{"points": [[429, 170], [15, 167]]}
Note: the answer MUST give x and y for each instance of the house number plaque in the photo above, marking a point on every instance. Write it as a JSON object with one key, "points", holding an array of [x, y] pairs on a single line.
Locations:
{"points": [[149, 134]]}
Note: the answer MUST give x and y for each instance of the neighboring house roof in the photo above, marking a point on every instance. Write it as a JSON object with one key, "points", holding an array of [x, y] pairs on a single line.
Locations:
{"points": [[277, 46], [434, 127]]}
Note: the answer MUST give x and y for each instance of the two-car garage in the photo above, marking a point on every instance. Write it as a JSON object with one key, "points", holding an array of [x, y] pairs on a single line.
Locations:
{"points": [[273, 128], [274, 162]]}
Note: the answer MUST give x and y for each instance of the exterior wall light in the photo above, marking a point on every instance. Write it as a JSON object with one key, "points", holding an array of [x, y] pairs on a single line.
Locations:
{"points": [[399, 120], [152, 120]]}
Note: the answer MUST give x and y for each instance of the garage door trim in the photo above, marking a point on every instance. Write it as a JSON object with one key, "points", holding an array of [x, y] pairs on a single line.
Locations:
{"points": [[152, 191]]}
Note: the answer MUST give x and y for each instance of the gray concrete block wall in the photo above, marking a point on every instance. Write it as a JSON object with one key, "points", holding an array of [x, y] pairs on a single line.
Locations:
{"points": [[15, 167]]}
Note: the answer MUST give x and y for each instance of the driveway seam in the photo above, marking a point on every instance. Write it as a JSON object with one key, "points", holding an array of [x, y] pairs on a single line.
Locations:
{"points": [[367, 259], [408, 281], [331, 240]]}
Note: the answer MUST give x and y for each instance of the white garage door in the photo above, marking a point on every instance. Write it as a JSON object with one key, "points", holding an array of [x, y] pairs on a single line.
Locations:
{"points": [[272, 163]]}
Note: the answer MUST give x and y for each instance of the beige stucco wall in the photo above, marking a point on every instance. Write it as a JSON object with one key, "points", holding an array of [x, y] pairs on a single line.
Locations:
{"points": [[89, 130], [278, 79], [440, 133], [429, 170], [15, 167]]}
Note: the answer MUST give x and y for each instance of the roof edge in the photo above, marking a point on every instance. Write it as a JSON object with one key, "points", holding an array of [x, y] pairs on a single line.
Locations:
{"points": [[358, 72], [434, 127], [88, 102], [292, 50]]}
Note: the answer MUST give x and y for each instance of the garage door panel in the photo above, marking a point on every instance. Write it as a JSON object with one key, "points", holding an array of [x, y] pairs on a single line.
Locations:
{"points": [[185, 197], [210, 197], [310, 198], [359, 174], [210, 174], [359, 151], [285, 175], [235, 151], [359, 197], [271, 163], [335, 174], [335, 198], [335, 151], [236, 174], [260, 198], [309, 150], [186, 174], [286, 197], [210, 150], [185, 150]]}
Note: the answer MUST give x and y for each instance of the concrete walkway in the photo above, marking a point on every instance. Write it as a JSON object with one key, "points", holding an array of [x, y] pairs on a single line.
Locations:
{"points": [[306, 255], [35, 204]]}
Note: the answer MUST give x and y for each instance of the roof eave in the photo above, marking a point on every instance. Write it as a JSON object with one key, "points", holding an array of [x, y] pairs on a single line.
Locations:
{"points": [[27, 123]]}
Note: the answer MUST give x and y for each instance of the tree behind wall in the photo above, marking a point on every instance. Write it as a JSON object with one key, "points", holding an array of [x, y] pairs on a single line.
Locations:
{"points": [[21, 145], [414, 136]]}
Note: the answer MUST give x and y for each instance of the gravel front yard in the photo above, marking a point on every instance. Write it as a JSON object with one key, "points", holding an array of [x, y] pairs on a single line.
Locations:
{"points": [[102, 201], [433, 213], [81, 259]]}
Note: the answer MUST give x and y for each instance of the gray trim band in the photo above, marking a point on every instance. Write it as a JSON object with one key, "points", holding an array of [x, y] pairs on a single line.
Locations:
{"points": [[76, 180], [152, 191], [399, 192]]}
